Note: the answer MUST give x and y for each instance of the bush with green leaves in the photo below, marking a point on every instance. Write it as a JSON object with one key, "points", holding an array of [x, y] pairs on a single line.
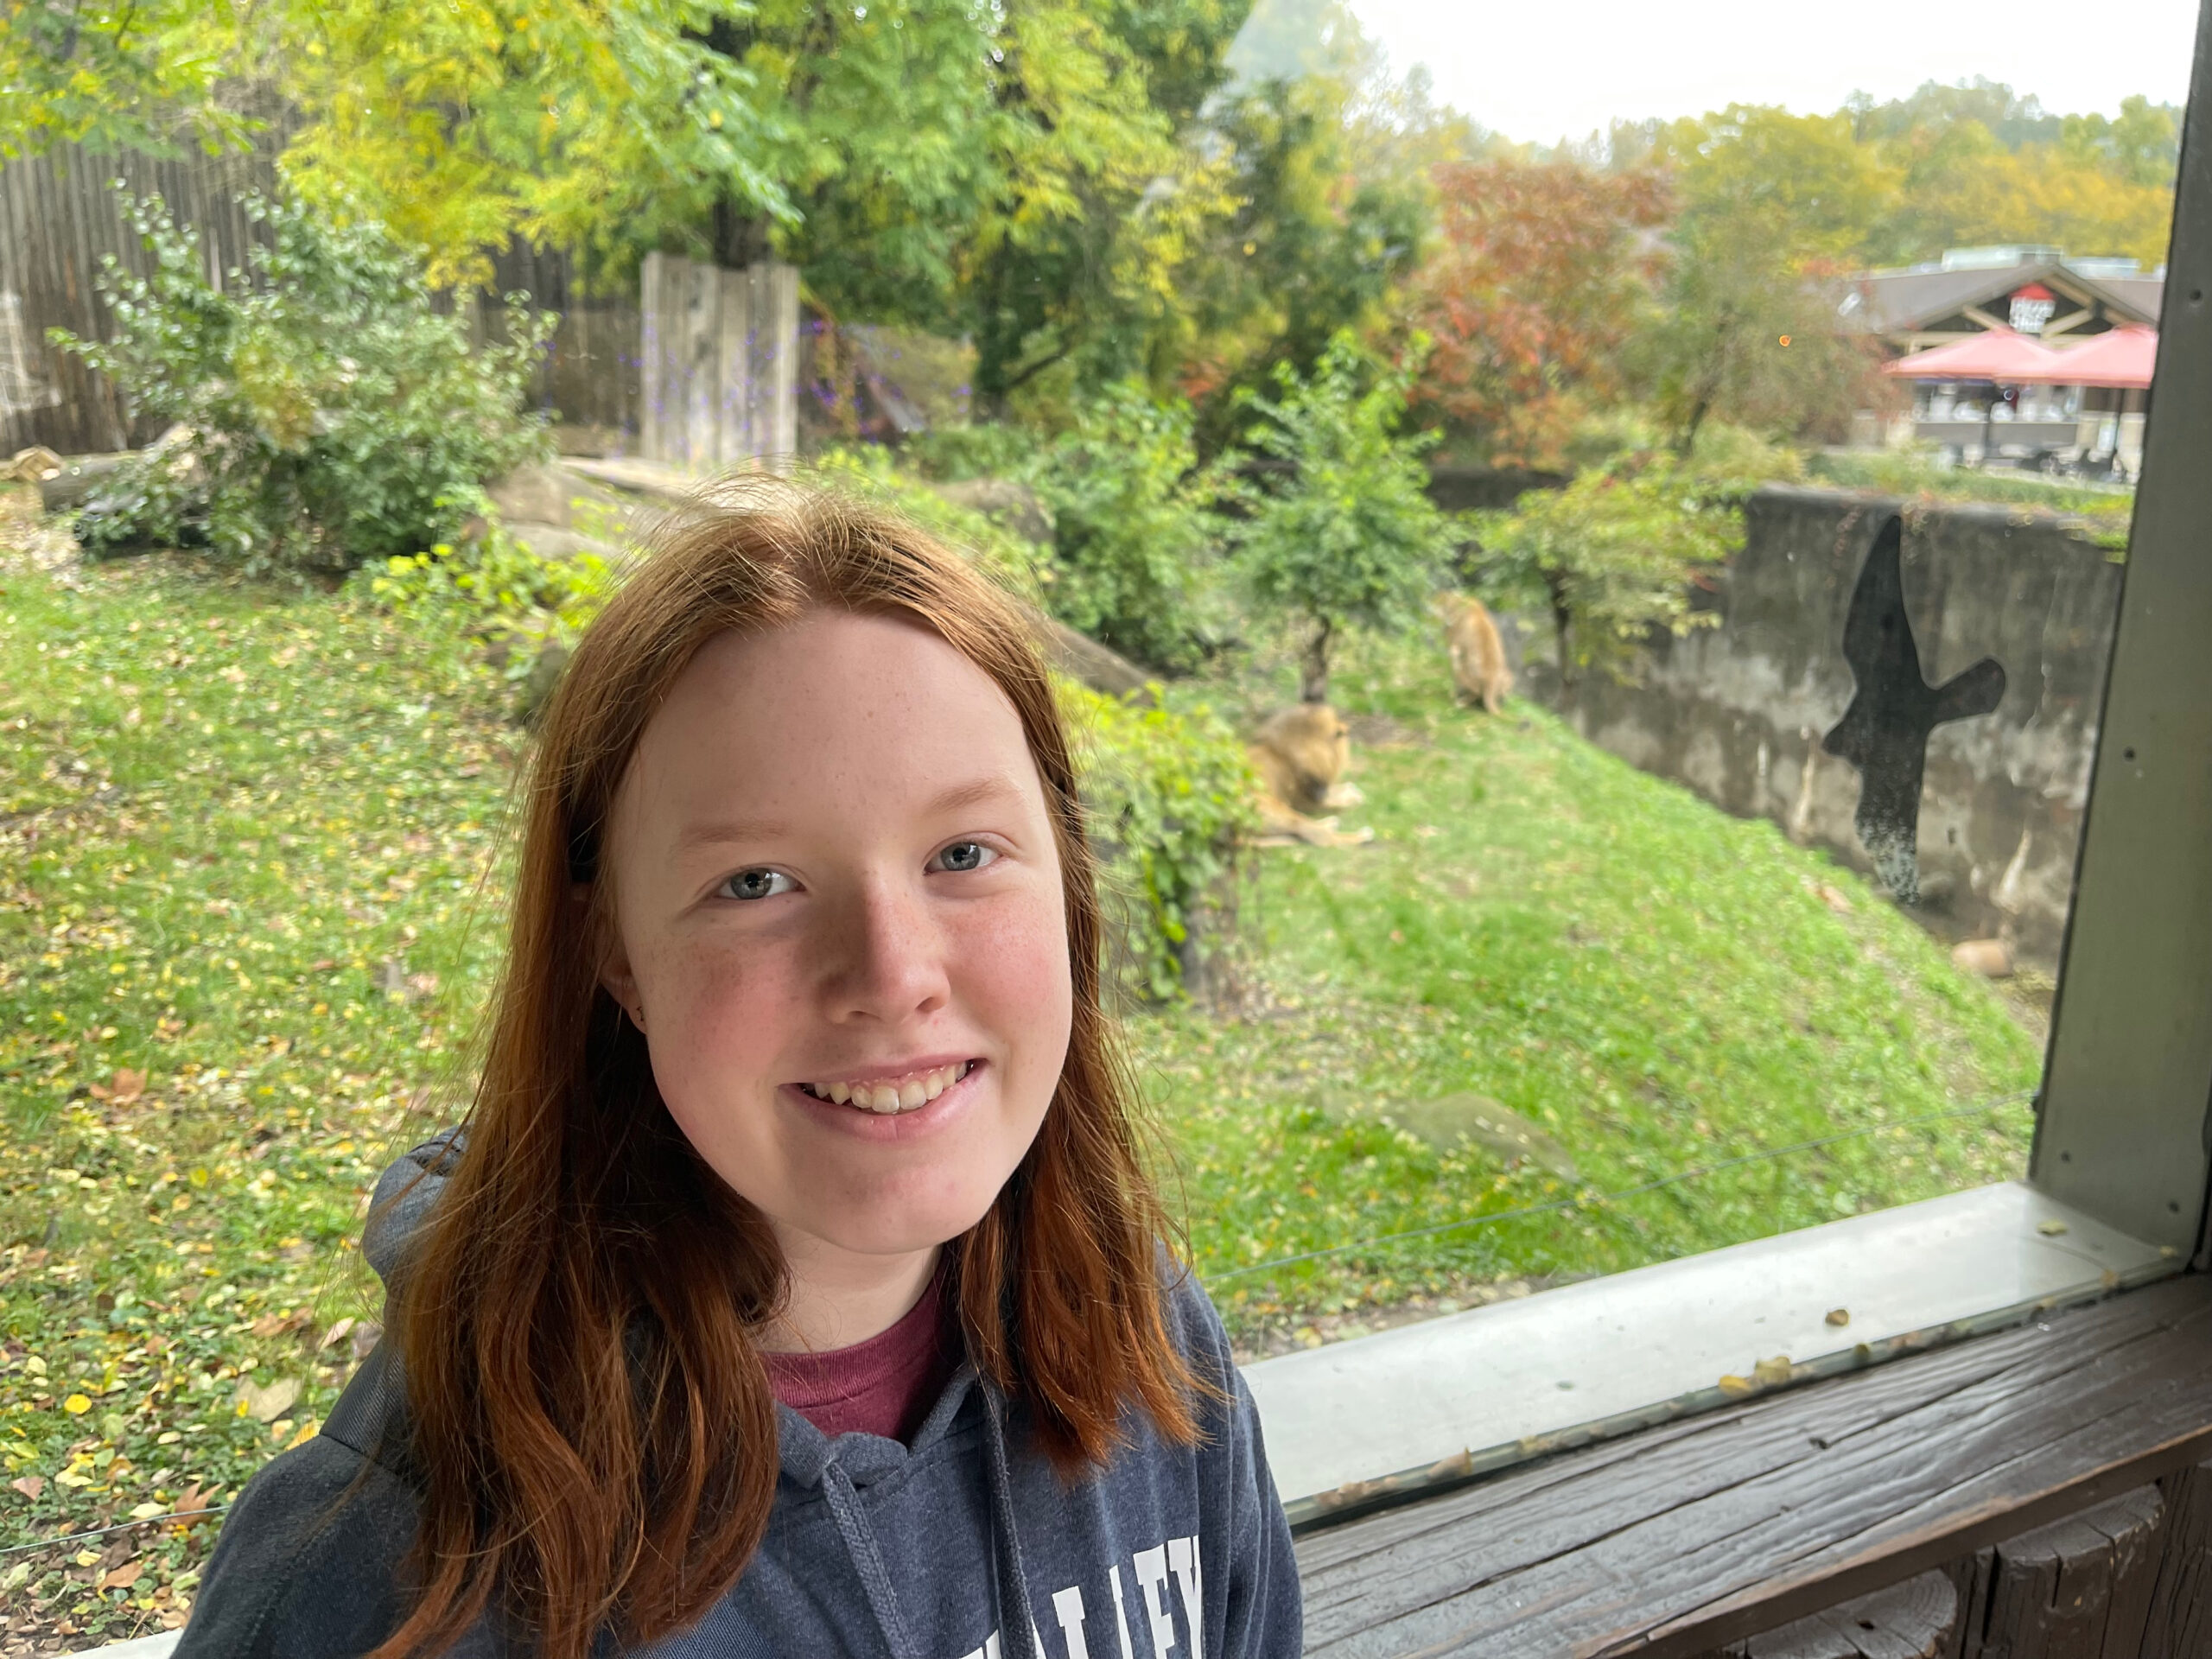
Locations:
{"points": [[1167, 793], [1620, 552], [322, 414], [1343, 534], [1133, 530]]}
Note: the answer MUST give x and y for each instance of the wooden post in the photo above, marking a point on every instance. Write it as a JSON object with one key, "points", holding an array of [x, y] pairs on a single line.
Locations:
{"points": [[719, 379]]}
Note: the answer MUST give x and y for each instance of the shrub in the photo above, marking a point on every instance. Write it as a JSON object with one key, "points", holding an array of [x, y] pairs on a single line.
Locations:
{"points": [[1168, 797], [1345, 535], [323, 415], [1132, 530]]}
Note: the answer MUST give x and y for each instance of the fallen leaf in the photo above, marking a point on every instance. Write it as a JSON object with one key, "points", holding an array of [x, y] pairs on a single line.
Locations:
{"points": [[188, 1500], [267, 1405], [1833, 899], [1737, 1387], [307, 1433], [1771, 1373], [1838, 1316], [2050, 1229], [76, 1405], [121, 1578], [337, 1333], [30, 1485], [128, 1086]]}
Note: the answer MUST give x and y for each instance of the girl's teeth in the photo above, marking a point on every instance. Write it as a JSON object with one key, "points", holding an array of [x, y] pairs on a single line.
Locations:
{"points": [[885, 1098]]}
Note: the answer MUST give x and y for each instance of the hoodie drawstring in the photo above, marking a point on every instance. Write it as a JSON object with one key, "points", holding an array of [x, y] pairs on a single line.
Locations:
{"points": [[1017, 1627], [867, 1560]]}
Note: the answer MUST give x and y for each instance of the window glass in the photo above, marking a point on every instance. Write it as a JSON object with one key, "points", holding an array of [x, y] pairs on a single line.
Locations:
{"points": [[1582, 547]]}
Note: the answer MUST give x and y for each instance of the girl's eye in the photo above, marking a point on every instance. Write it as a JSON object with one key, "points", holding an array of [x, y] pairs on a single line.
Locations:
{"points": [[757, 884], [965, 856]]}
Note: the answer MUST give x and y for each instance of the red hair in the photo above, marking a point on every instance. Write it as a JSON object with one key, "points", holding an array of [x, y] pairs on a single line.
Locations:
{"points": [[590, 1415]]}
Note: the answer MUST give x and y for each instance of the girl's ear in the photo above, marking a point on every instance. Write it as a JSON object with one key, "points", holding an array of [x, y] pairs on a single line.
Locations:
{"points": [[614, 959]]}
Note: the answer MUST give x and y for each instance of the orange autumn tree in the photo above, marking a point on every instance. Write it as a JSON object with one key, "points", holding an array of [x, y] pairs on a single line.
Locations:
{"points": [[1541, 272]]}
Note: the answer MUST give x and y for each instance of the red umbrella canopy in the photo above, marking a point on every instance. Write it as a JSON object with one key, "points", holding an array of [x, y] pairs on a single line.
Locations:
{"points": [[2119, 357], [1999, 354]]}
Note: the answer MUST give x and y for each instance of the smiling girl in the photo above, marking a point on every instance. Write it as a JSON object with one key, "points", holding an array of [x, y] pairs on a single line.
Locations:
{"points": [[795, 1286]]}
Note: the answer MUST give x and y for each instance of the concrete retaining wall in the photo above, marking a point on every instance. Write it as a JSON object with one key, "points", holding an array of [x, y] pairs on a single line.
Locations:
{"points": [[1737, 711]]}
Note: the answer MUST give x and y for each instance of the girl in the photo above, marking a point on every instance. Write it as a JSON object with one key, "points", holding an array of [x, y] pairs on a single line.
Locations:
{"points": [[795, 1286]]}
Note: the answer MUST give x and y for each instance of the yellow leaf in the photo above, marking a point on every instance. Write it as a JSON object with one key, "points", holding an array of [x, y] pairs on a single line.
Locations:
{"points": [[307, 1433], [76, 1405]]}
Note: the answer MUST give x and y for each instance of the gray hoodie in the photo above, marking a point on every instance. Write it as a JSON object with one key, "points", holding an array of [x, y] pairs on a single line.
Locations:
{"points": [[873, 1548]]}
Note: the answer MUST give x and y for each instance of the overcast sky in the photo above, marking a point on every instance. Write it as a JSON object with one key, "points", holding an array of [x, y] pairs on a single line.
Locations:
{"points": [[1540, 70]]}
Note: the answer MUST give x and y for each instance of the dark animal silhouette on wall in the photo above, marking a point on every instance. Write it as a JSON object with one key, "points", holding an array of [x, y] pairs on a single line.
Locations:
{"points": [[1885, 731]]}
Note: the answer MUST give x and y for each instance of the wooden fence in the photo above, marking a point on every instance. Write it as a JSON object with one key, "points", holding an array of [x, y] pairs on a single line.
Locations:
{"points": [[720, 372], [58, 216]]}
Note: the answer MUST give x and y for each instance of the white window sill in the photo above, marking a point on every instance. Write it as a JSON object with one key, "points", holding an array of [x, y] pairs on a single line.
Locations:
{"points": [[1426, 1406]]}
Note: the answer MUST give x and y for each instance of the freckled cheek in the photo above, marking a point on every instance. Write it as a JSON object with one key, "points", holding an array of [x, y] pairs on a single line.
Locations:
{"points": [[1010, 969], [724, 1012]]}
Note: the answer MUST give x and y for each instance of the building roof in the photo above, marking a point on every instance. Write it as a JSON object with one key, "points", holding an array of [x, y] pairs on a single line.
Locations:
{"points": [[1932, 298]]}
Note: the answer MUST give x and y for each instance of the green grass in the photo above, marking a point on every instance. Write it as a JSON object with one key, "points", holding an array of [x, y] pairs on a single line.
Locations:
{"points": [[249, 852], [1658, 985], [226, 817]]}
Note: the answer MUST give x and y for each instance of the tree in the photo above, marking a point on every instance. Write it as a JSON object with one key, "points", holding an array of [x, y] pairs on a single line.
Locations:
{"points": [[1542, 276], [1133, 531], [598, 125], [1344, 534], [1774, 207], [111, 73], [1613, 557]]}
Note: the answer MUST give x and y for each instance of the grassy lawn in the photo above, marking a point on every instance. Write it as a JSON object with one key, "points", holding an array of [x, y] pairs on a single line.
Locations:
{"points": [[249, 843], [1657, 985]]}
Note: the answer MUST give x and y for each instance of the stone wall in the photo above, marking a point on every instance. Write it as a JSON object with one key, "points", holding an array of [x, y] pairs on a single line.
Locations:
{"points": [[1737, 711]]}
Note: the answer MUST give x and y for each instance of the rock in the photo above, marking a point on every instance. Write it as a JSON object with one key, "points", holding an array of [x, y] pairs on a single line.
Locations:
{"points": [[1081, 657], [1990, 958], [1012, 507], [536, 495]]}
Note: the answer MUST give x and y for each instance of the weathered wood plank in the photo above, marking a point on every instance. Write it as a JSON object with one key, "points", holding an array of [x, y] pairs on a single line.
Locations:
{"points": [[2180, 1625], [1706, 1531], [2079, 1588], [1917, 1619]]}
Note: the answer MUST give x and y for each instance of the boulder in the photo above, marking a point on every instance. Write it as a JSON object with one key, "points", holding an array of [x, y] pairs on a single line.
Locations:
{"points": [[1014, 508]]}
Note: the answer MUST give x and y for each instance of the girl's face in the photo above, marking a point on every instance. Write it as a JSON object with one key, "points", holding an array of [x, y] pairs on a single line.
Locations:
{"points": [[841, 926]]}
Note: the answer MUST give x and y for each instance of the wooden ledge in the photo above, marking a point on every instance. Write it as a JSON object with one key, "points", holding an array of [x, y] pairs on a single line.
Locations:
{"points": [[1697, 1534]]}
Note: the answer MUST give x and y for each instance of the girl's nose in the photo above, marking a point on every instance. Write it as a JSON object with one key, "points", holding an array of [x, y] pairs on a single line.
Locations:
{"points": [[886, 958]]}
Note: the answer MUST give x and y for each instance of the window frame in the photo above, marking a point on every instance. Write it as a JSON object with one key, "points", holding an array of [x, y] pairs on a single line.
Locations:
{"points": [[2123, 1126], [2124, 1109]]}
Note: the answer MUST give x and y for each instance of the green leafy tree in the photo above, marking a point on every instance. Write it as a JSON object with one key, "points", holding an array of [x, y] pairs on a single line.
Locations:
{"points": [[1621, 552], [326, 415], [1312, 248], [1773, 206], [599, 125], [1132, 529], [1344, 534], [111, 73]]}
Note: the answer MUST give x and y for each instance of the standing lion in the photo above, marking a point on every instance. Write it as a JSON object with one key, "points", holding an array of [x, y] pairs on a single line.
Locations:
{"points": [[1477, 653]]}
